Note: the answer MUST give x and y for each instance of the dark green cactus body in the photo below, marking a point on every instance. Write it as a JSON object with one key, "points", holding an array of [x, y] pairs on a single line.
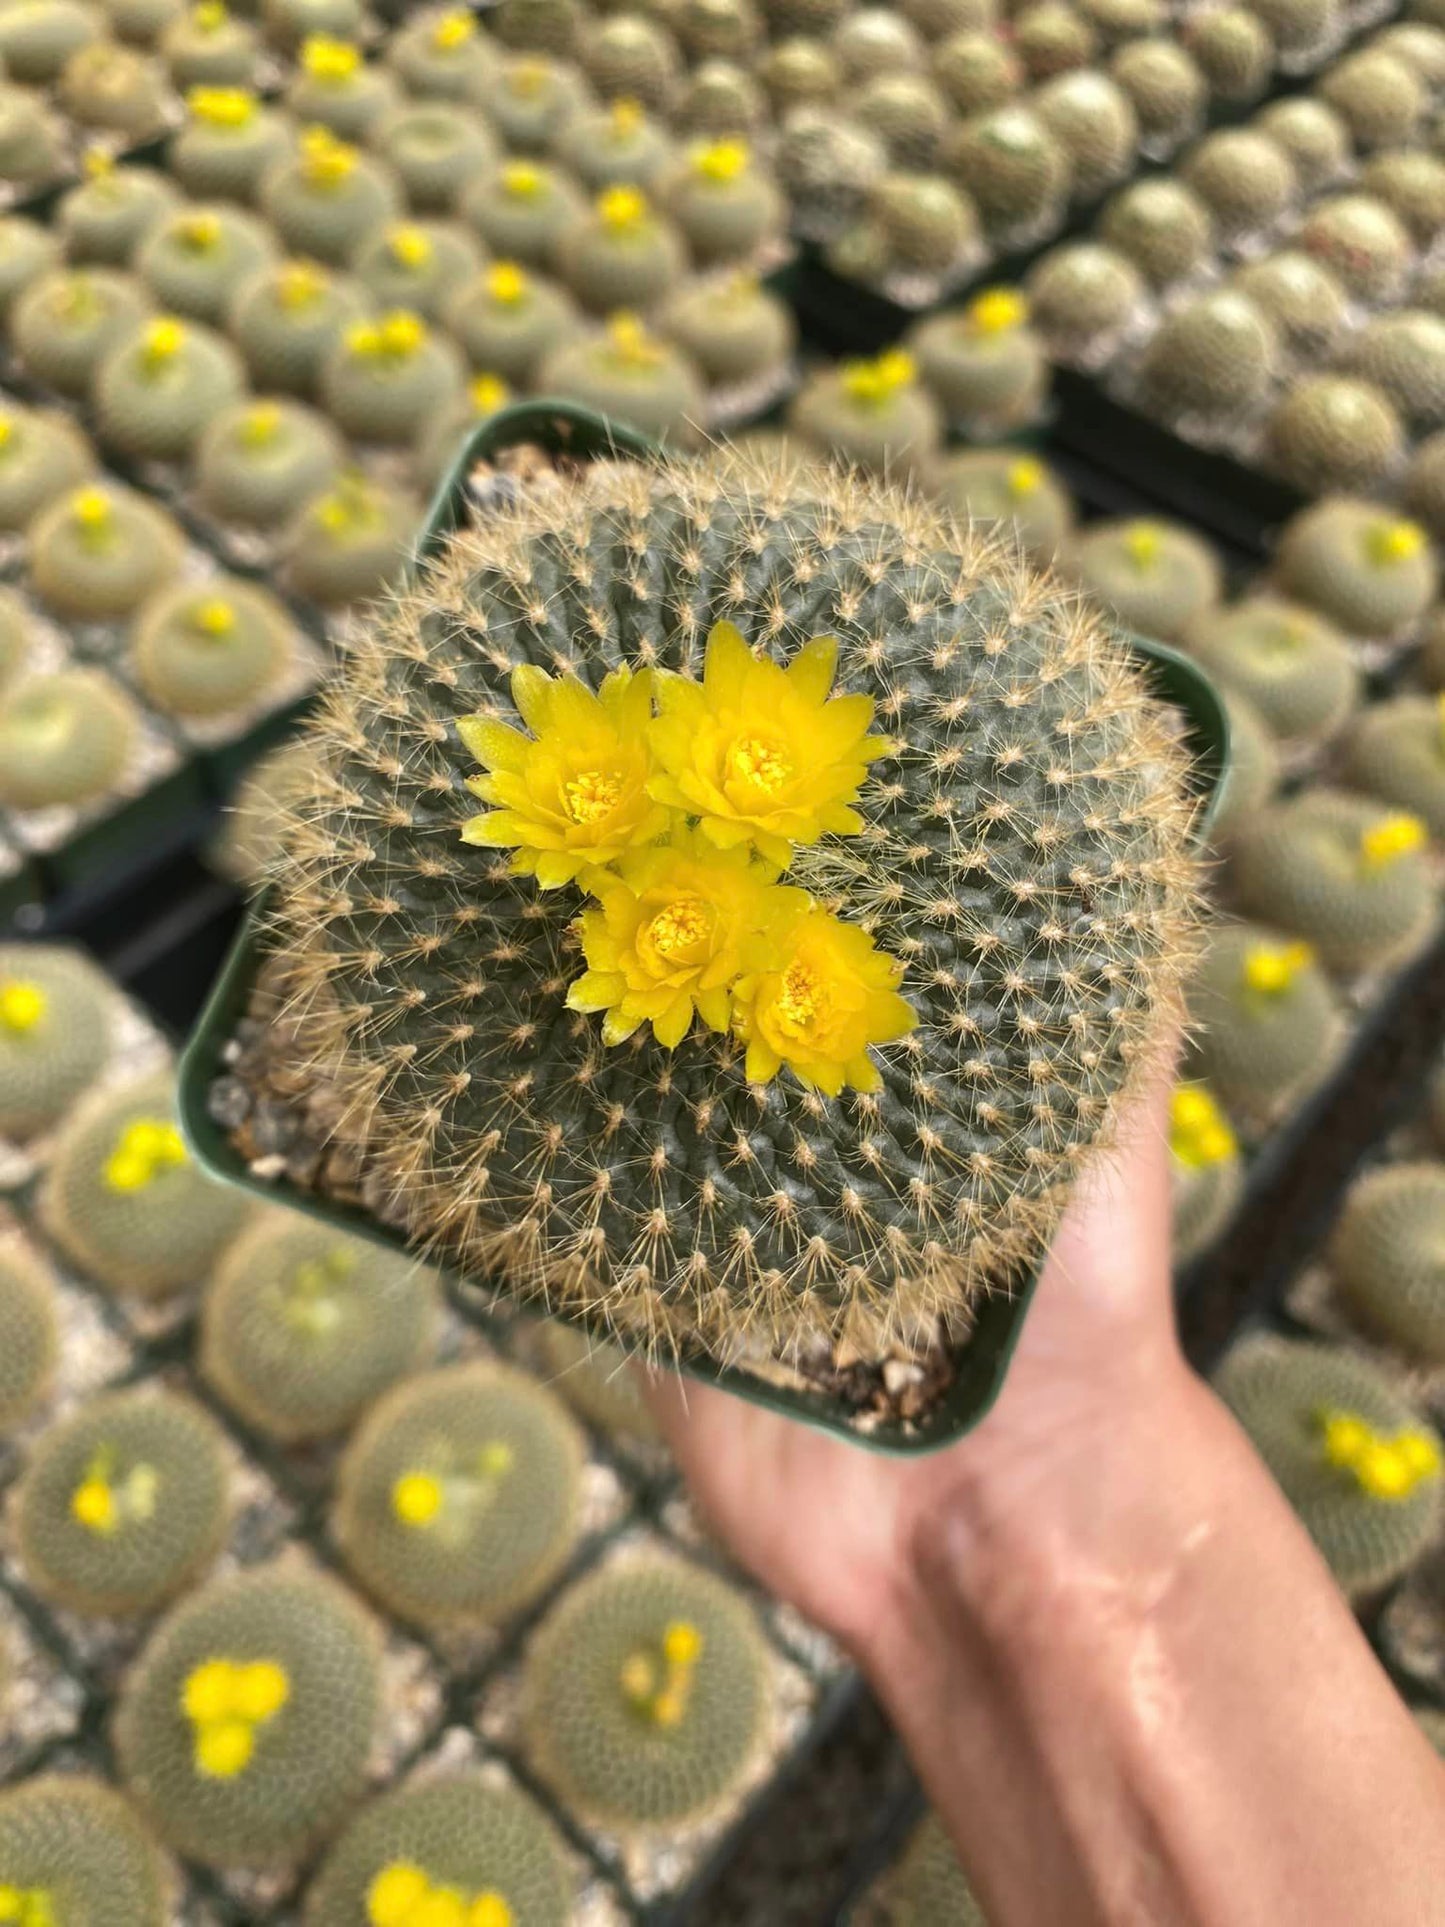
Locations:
{"points": [[124, 1503], [1040, 926], [465, 1833]]}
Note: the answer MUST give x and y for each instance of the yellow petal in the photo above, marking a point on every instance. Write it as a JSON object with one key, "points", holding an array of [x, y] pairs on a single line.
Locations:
{"points": [[714, 1007], [595, 990], [726, 664], [553, 868], [812, 670], [494, 830], [616, 1028], [495, 745], [532, 693], [763, 1062], [671, 1026]]}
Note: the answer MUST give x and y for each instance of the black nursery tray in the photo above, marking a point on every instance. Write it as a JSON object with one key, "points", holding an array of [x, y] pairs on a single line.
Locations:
{"points": [[981, 1363]]}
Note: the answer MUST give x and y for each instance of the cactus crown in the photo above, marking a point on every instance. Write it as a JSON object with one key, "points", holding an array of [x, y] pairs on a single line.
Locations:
{"points": [[1020, 849]]}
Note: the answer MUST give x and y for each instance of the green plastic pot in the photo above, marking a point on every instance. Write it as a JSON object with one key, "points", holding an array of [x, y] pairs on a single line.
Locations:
{"points": [[983, 1361]]}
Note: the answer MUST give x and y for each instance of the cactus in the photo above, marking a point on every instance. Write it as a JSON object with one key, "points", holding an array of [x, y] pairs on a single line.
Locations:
{"points": [[258, 463], [646, 1695], [617, 145], [290, 24], [598, 1381], [1206, 1176], [123, 1200], [27, 252], [243, 1731], [631, 375], [335, 87], [385, 376], [874, 40], [908, 114], [72, 1849], [1156, 576], [1363, 243], [719, 98], [210, 649], [36, 41], [828, 166], [870, 413], [66, 739], [1162, 227], [104, 220], [1396, 752], [302, 1328], [1254, 767], [229, 142], [457, 1842], [65, 321], [983, 363], [207, 46], [1387, 1258], [627, 55], [1270, 1024], [443, 55], [1346, 874], [114, 90], [1234, 51], [1166, 87], [123, 1504], [1423, 491], [1294, 667], [1403, 355], [286, 319], [989, 1179], [621, 255], [1083, 297], [434, 149], [440, 437], [538, 26], [928, 1888], [922, 223], [29, 1326], [1419, 45], [1300, 298], [1301, 29], [1210, 361], [1245, 180], [1330, 432], [1314, 137], [155, 393], [1016, 173], [1430, 658], [1347, 1451], [16, 635], [250, 838], [532, 102], [1362, 567], [99, 551], [350, 542], [32, 141], [726, 206], [799, 72], [1411, 184], [328, 199], [42, 455], [1380, 99], [1053, 38], [55, 1033], [415, 265], [977, 72], [735, 332], [718, 29], [521, 209], [1432, 1724], [509, 322], [194, 260], [1007, 489], [140, 23], [1093, 120], [936, 19], [457, 1500]]}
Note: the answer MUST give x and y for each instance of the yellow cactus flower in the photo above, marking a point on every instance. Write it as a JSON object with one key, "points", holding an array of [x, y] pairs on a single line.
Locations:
{"points": [[1199, 1132], [720, 162], [671, 936], [507, 284], [301, 284], [624, 117], [409, 246], [215, 617], [1270, 969], [208, 1694], [1391, 540], [1025, 477], [416, 1498], [523, 180], [162, 342], [223, 1749], [92, 1505], [1384, 1468], [395, 1893], [573, 796], [997, 311], [453, 30], [1143, 543], [260, 425], [629, 344], [261, 1689], [330, 61], [1399, 835], [147, 1147], [199, 233], [487, 394], [761, 753], [222, 106], [623, 210], [225, 1701], [824, 998], [22, 1006], [490, 1910], [209, 16], [326, 162], [873, 384]]}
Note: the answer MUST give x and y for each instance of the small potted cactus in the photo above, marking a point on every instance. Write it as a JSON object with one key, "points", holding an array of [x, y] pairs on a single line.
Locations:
{"points": [[699, 957]]}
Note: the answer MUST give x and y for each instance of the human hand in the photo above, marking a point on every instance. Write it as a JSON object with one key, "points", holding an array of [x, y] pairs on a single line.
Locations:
{"points": [[841, 1532]]}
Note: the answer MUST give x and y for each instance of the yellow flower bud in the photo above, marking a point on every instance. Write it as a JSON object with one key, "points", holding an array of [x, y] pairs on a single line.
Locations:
{"points": [[92, 1505], [330, 60], [22, 1006], [1271, 968], [1398, 836], [1143, 543], [489, 1910], [997, 310], [394, 1895], [453, 30], [523, 180], [224, 1748], [409, 247], [416, 1498], [507, 284], [625, 116], [721, 161], [209, 1694], [622, 210], [1024, 478], [222, 106], [1394, 541]]}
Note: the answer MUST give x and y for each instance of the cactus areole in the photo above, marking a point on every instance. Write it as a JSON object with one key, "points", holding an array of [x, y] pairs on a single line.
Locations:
{"points": [[731, 904]]}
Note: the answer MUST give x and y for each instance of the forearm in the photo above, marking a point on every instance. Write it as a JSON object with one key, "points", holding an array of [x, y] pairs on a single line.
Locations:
{"points": [[1146, 1703]]}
